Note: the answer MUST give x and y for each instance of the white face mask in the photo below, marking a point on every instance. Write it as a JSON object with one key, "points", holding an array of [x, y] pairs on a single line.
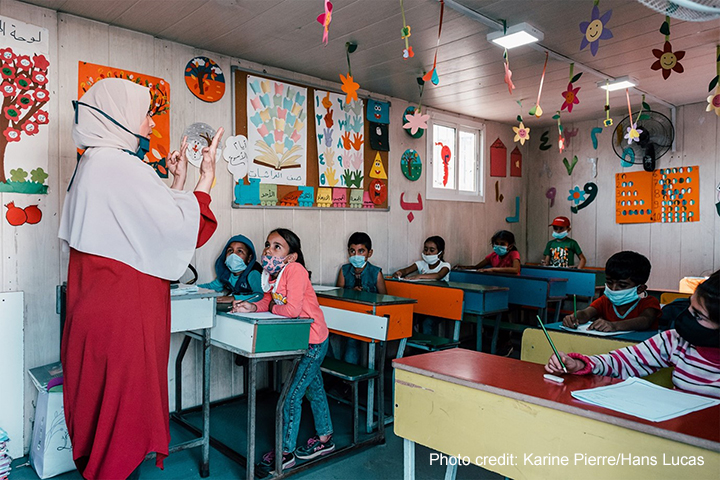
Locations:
{"points": [[431, 259]]}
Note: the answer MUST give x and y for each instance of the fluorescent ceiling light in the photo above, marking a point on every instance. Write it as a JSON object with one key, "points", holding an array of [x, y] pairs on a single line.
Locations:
{"points": [[619, 83], [520, 34]]}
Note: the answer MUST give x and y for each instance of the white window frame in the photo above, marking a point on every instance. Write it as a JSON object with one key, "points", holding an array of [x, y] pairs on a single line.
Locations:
{"points": [[458, 123]]}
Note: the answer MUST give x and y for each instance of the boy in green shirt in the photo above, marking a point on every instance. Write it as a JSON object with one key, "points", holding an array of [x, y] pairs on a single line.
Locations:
{"points": [[561, 250]]}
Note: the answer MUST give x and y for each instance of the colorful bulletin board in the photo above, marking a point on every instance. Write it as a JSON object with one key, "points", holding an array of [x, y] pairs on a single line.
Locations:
{"points": [[667, 195], [89, 73], [289, 128]]}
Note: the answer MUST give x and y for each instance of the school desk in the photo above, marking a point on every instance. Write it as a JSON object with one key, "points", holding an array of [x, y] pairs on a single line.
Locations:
{"points": [[461, 402], [259, 340], [372, 318], [453, 299], [580, 282], [524, 290]]}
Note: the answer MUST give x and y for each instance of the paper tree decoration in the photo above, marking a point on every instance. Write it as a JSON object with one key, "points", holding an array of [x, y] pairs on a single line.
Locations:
{"points": [[596, 29], [667, 60], [205, 79], [411, 165]]}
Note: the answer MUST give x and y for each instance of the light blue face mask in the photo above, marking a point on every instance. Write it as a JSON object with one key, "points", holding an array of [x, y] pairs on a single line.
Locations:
{"points": [[560, 235], [622, 297], [358, 261], [500, 250], [235, 263]]}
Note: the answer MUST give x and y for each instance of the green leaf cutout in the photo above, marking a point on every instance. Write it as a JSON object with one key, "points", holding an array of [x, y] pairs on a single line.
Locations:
{"points": [[665, 28], [644, 116], [646, 107], [576, 78], [713, 83], [519, 118]]}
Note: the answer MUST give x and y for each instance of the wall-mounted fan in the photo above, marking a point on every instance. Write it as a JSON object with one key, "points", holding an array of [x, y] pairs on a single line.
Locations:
{"points": [[656, 138], [689, 10]]}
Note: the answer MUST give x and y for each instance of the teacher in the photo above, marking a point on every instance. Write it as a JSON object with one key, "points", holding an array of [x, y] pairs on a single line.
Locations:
{"points": [[129, 235]]}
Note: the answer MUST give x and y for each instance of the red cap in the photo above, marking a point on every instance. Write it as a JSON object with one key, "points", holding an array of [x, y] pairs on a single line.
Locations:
{"points": [[560, 222]]}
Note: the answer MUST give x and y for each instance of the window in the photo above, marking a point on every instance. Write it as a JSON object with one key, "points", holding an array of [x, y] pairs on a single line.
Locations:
{"points": [[455, 164]]}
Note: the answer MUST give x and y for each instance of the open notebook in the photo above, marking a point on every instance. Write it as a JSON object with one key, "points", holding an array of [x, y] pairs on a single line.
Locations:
{"points": [[584, 328]]}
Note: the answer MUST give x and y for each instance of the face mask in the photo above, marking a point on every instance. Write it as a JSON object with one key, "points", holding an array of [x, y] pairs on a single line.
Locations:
{"points": [[358, 261], [143, 144], [560, 235], [500, 250], [431, 259], [622, 297], [272, 265], [234, 263], [691, 330]]}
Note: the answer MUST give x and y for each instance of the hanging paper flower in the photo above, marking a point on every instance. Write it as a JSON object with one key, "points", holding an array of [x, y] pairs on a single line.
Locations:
{"points": [[12, 134], [561, 143], [324, 19], [667, 60], [508, 78], [41, 62], [570, 96], [595, 30], [576, 195], [416, 121], [30, 127], [522, 133], [633, 134], [714, 102], [350, 87], [406, 32]]}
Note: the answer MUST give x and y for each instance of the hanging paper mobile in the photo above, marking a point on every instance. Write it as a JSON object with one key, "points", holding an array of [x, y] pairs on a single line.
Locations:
{"points": [[667, 61], [561, 138], [414, 122], [608, 121], [595, 30], [714, 98], [324, 19], [349, 85], [522, 133], [506, 64], [407, 51], [432, 75], [633, 133], [570, 95], [536, 110]]}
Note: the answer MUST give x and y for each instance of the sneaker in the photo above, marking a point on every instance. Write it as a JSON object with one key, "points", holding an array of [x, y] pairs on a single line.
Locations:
{"points": [[267, 465], [315, 448]]}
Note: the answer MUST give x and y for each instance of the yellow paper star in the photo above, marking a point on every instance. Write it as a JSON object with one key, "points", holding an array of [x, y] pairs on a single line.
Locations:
{"points": [[350, 87], [522, 133]]}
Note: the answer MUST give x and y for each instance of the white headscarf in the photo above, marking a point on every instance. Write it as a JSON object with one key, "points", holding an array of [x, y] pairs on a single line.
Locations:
{"points": [[117, 206]]}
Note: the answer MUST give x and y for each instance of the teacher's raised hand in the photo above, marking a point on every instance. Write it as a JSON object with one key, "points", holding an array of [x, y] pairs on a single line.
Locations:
{"points": [[207, 166]]}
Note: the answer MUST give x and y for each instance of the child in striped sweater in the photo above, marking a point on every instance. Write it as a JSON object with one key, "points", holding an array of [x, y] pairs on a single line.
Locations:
{"points": [[692, 347]]}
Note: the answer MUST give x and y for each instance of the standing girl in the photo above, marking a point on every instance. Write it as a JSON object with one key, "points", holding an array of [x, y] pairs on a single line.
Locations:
{"points": [[432, 266], [504, 258], [288, 293]]}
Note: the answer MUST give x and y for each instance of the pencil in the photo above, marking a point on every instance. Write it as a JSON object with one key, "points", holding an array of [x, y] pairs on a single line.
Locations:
{"points": [[575, 305], [552, 344]]}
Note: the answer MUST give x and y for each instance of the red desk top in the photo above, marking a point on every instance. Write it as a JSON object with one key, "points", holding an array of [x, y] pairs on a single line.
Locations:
{"points": [[524, 381]]}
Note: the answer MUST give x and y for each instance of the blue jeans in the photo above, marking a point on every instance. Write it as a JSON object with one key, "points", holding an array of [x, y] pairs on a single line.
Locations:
{"points": [[307, 382], [346, 349]]}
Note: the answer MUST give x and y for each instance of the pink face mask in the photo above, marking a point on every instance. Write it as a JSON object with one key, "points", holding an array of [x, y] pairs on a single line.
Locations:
{"points": [[273, 265]]}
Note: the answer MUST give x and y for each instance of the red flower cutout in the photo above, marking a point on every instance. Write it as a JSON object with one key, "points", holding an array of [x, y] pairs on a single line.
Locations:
{"points": [[7, 55], [24, 101], [41, 95], [41, 117], [23, 82], [667, 60], [7, 71], [570, 96], [12, 134], [23, 61], [30, 127], [41, 62], [12, 113], [8, 89], [39, 78]]}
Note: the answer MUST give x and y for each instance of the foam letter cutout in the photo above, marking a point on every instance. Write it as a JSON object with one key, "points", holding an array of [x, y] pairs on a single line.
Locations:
{"points": [[516, 218]]}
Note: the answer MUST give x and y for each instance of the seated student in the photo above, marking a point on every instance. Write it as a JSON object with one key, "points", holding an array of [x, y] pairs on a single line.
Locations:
{"points": [[625, 305], [432, 266], [561, 250], [504, 258], [360, 275], [692, 347], [238, 272]]}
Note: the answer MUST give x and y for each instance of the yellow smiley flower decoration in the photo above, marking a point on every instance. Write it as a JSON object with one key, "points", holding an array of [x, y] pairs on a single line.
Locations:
{"points": [[714, 102], [522, 133]]}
